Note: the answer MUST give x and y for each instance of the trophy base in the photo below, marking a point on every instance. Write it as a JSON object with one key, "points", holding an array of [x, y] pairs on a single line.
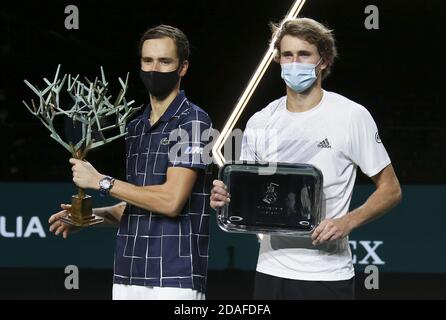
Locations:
{"points": [[81, 213], [94, 220]]}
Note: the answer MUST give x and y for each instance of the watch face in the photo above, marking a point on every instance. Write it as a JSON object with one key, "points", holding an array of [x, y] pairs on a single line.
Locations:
{"points": [[105, 183]]}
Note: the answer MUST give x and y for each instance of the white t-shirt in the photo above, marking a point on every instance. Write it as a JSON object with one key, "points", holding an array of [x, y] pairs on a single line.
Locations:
{"points": [[336, 136]]}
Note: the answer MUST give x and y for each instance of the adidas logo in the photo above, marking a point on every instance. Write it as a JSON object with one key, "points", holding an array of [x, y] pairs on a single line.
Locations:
{"points": [[324, 144]]}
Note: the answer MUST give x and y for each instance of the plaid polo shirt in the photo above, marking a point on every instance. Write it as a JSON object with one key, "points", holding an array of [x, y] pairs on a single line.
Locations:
{"points": [[153, 249]]}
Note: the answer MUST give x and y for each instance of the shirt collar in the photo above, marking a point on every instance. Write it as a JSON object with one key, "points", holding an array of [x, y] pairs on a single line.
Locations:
{"points": [[172, 110]]}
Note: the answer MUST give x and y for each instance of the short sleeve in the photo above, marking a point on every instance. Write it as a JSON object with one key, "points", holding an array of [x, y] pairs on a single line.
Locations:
{"points": [[190, 141], [248, 149], [365, 146]]}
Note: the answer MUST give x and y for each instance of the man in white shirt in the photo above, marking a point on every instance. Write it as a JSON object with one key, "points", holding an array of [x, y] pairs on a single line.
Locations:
{"points": [[333, 133]]}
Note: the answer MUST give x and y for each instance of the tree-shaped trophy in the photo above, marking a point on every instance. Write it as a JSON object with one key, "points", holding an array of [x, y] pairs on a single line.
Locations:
{"points": [[100, 122]]}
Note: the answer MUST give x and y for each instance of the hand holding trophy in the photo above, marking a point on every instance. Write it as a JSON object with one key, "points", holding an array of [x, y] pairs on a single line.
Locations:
{"points": [[101, 122]]}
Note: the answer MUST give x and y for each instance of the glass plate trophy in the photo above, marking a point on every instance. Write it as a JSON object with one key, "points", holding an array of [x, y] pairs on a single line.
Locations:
{"points": [[273, 198], [99, 120]]}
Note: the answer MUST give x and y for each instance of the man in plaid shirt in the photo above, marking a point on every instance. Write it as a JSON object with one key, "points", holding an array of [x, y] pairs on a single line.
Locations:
{"points": [[163, 236]]}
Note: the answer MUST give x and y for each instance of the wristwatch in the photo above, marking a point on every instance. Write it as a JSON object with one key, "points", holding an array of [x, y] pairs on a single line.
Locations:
{"points": [[105, 185]]}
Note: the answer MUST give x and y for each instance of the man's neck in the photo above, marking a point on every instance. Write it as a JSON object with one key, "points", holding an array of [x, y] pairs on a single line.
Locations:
{"points": [[160, 106], [301, 102]]}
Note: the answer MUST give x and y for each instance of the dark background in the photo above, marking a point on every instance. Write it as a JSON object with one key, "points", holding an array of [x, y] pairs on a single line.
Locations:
{"points": [[396, 72]]}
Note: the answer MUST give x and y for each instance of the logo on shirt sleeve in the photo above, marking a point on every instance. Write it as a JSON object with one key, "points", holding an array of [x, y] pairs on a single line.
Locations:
{"points": [[193, 150], [377, 138]]}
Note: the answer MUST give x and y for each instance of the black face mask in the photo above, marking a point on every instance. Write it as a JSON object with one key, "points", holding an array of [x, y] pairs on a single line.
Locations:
{"points": [[159, 84]]}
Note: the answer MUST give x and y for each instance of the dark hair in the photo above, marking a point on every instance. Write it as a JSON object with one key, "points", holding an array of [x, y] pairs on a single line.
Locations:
{"points": [[175, 34], [311, 31]]}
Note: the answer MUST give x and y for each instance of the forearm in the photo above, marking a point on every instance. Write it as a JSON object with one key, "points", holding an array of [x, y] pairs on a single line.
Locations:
{"points": [[112, 215], [168, 198], [156, 198], [382, 200]]}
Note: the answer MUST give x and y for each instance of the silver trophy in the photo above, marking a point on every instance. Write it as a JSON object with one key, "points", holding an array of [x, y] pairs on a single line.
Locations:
{"points": [[101, 121], [288, 201]]}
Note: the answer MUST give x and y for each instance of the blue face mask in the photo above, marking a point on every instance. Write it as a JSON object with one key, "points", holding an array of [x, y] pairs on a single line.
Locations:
{"points": [[299, 76]]}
